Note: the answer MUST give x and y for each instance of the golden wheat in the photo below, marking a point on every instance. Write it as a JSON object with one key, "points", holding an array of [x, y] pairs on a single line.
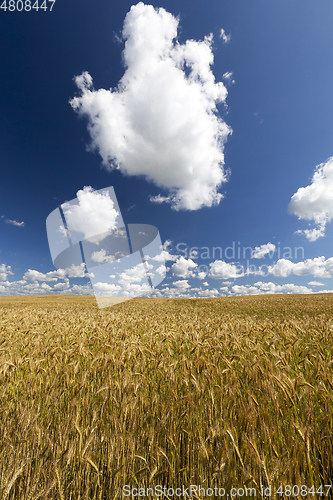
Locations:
{"points": [[215, 392]]}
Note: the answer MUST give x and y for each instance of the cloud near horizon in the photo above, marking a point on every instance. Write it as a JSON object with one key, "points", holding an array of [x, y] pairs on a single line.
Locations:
{"points": [[71, 272], [319, 267], [161, 121]]}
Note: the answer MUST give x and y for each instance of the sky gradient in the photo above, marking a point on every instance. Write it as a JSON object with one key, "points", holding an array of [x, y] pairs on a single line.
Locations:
{"points": [[211, 120]]}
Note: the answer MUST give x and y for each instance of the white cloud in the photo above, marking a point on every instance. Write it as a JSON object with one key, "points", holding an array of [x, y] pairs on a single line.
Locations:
{"points": [[102, 256], [319, 267], [222, 270], [183, 284], [22, 287], [228, 77], [5, 271], [244, 290], [161, 121], [6, 284], [160, 199], [75, 271], [33, 275], [82, 289], [45, 287], [14, 222], [209, 293], [226, 38], [183, 267], [165, 254], [315, 233], [315, 283], [107, 287], [315, 201], [61, 286], [161, 270], [71, 272], [136, 289], [288, 287], [93, 215], [134, 274], [201, 275], [260, 252], [261, 287], [194, 254], [171, 293]]}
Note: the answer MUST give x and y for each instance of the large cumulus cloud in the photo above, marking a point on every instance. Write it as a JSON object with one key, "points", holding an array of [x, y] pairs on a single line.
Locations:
{"points": [[161, 121]]}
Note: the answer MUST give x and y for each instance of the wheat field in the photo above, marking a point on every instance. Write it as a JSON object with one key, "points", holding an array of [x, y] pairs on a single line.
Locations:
{"points": [[229, 392]]}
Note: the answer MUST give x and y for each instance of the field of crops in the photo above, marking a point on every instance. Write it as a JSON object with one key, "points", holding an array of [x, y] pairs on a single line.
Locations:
{"points": [[221, 393]]}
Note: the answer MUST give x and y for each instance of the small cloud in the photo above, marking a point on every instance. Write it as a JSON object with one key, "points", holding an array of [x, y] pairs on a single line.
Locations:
{"points": [[76, 271], [183, 267], [260, 252], [315, 283], [182, 284], [220, 269], [102, 257], [165, 254], [93, 214], [160, 199], [315, 233], [134, 275], [228, 77], [162, 270], [13, 222], [226, 38]]}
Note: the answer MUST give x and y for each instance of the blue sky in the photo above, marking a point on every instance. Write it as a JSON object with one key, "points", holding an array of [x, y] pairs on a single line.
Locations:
{"points": [[245, 113]]}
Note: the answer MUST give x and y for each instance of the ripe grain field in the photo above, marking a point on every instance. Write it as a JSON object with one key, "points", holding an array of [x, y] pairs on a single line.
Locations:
{"points": [[228, 392]]}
